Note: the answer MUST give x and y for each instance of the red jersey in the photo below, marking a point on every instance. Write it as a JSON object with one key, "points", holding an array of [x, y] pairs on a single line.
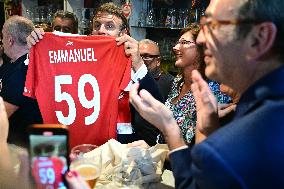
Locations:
{"points": [[48, 172], [77, 81]]}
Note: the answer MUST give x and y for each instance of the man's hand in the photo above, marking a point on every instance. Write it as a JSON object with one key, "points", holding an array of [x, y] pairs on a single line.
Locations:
{"points": [[75, 181], [35, 36], [131, 48], [206, 107], [157, 114]]}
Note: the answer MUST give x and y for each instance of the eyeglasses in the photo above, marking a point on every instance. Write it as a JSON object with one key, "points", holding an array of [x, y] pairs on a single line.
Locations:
{"points": [[213, 23], [149, 57], [184, 42]]}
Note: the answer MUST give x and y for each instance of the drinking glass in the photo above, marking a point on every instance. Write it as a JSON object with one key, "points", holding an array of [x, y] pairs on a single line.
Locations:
{"points": [[142, 19], [78, 151], [88, 169]]}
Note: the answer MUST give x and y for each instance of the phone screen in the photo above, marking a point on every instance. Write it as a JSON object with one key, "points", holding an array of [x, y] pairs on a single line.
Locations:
{"points": [[49, 152]]}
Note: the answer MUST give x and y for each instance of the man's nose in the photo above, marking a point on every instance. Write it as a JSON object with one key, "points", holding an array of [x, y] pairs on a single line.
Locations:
{"points": [[102, 30], [200, 38]]}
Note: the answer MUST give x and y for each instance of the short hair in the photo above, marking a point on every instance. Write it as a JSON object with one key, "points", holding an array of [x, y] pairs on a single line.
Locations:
{"points": [[19, 28], [111, 8], [263, 11], [66, 15], [194, 29], [149, 41]]}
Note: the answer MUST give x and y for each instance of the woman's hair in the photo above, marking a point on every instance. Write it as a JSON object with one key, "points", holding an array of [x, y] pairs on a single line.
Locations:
{"points": [[194, 29]]}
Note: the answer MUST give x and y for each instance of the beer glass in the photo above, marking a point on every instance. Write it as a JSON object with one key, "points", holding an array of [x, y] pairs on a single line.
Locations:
{"points": [[88, 169], [79, 150]]}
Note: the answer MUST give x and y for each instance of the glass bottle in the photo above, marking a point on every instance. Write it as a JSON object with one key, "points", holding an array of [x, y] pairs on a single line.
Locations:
{"points": [[171, 18], [84, 25], [150, 20]]}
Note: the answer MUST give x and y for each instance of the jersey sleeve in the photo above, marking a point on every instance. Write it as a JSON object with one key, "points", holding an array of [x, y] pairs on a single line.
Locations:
{"points": [[29, 89]]}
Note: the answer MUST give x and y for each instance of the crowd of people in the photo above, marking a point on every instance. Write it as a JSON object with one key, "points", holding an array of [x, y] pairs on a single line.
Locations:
{"points": [[219, 136]]}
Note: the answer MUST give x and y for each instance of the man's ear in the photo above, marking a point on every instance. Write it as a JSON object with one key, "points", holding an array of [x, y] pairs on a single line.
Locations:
{"points": [[261, 40], [159, 61], [11, 40]]}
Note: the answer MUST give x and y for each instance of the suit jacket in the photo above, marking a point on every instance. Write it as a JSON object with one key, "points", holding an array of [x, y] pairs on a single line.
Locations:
{"points": [[246, 153], [164, 81], [142, 128]]}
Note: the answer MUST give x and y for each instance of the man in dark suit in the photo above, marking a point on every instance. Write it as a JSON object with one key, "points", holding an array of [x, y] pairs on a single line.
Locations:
{"points": [[243, 42]]}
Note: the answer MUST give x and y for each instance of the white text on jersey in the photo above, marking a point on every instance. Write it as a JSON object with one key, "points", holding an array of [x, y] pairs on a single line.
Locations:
{"points": [[72, 55]]}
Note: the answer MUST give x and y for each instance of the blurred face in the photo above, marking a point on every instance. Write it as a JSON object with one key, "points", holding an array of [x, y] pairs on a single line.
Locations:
{"points": [[224, 54], [65, 25], [106, 24], [185, 51], [150, 55]]}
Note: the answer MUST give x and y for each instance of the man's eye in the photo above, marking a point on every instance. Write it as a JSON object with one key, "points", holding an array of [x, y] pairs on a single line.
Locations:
{"points": [[57, 28], [110, 26], [97, 25], [66, 30]]}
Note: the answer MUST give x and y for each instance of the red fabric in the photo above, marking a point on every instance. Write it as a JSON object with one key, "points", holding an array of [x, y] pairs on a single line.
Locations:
{"points": [[111, 71], [124, 115], [48, 171]]}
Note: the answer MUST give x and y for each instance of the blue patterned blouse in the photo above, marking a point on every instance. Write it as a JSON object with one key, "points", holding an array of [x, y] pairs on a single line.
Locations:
{"points": [[184, 110]]}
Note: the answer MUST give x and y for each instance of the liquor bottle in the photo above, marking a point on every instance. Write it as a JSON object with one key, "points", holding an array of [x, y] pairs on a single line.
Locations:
{"points": [[84, 25], [171, 18]]}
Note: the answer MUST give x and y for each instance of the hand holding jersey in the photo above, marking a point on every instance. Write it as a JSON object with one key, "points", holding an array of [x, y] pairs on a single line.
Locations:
{"points": [[77, 81]]}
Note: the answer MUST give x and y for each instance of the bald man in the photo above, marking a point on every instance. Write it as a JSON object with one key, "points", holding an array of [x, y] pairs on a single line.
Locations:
{"points": [[150, 53]]}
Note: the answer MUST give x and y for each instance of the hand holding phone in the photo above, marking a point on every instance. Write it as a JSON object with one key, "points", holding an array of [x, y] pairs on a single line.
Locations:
{"points": [[49, 154]]}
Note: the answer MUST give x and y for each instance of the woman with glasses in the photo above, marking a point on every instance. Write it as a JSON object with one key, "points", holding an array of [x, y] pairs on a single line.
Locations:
{"points": [[189, 56]]}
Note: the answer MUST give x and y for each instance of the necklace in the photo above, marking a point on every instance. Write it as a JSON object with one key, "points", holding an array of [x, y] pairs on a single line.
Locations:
{"points": [[180, 87]]}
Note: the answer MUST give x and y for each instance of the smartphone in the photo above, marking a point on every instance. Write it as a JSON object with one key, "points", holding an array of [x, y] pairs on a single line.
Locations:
{"points": [[49, 155]]}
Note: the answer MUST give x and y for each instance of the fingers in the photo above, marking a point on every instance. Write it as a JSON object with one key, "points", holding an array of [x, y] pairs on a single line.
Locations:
{"points": [[124, 38], [35, 36], [223, 111], [149, 99], [131, 48], [133, 93], [223, 106], [130, 44], [202, 92], [75, 181]]}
